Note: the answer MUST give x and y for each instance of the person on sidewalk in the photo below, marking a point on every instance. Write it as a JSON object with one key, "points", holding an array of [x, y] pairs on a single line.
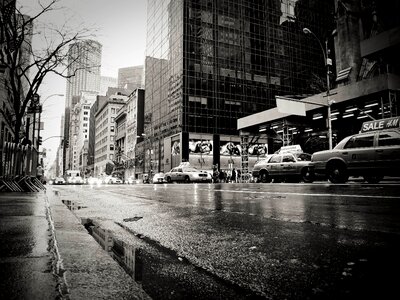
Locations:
{"points": [[233, 176], [39, 173]]}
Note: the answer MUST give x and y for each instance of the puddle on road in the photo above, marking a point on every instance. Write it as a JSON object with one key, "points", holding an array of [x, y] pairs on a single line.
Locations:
{"points": [[73, 205], [163, 274]]}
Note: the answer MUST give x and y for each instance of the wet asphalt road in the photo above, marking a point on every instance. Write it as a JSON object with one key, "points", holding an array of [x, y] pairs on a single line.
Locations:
{"points": [[279, 241]]}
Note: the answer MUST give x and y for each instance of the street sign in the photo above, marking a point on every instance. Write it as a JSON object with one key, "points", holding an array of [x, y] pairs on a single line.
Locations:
{"points": [[290, 106], [381, 124]]}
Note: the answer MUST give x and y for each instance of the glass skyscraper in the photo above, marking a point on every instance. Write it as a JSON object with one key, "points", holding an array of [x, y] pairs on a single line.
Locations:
{"points": [[211, 62]]}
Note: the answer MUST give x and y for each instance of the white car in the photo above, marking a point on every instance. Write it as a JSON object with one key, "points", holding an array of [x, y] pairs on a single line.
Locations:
{"points": [[158, 178], [131, 180], [59, 180], [75, 180], [187, 174], [93, 181], [112, 180]]}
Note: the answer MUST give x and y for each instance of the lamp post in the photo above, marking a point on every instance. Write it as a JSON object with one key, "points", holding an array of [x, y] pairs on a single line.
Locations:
{"points": [[52, 95], [327, 62], [40, 106]]}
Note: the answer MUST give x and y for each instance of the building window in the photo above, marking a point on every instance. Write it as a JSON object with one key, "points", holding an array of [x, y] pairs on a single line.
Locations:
{"points": [[112, 128], [112, 147]]}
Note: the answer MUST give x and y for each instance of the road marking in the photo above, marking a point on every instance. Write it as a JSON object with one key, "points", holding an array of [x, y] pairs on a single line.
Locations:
{"points": [[310, 194]]}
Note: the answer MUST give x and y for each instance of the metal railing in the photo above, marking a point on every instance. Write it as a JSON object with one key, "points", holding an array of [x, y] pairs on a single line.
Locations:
{"points": [[18, 168]]}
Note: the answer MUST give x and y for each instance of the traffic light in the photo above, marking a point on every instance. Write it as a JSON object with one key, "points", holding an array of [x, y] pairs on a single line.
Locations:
{"points": [[40, 141], [66, 143]]}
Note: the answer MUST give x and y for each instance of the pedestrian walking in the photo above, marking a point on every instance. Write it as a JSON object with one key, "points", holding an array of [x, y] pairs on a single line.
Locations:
{"points": [[222, 176], [233, 175], [39, 173]]}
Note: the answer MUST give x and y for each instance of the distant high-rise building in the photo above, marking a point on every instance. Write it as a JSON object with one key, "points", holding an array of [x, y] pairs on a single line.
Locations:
{"points": [[107, 82], [84, 60], [130, 78], [80, 129]]}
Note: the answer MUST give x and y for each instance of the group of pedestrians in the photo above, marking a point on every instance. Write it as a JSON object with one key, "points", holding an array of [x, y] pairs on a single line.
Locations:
{"points": [[223, 176]]}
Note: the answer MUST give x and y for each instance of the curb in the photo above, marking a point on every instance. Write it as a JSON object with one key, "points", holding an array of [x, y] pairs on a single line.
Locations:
{"points": [[84, 269]]}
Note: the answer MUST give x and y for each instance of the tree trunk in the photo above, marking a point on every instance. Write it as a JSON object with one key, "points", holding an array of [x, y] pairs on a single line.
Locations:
{"points": [[17, 129]]}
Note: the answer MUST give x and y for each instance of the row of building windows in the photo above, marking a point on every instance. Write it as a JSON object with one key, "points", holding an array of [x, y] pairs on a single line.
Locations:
{"points": [[104, 157]]}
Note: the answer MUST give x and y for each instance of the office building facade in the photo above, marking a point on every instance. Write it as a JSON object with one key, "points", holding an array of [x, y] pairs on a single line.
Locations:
{"points": [[131, 78], [209, 63], [105, 132], [107, 82], [365, 82]]}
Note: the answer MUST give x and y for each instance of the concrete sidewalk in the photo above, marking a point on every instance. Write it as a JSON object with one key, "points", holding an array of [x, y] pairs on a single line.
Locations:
{"points": [[45, 253]]}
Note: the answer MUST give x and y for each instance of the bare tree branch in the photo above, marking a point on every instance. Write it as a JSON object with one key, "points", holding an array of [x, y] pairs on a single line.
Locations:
{"points": [[26, 67]]}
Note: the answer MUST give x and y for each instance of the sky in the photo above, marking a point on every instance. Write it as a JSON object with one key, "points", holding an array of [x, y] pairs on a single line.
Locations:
{"points": [[121, 29]]}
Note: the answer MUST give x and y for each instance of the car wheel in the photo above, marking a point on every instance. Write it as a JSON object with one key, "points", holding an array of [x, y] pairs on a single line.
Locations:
{"points": [[169, 179], [373, 178], [337, 173], [187, 179], [264, 177], [307, 176]]}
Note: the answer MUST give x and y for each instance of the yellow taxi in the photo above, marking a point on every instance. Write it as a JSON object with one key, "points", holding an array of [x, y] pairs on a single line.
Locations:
{"points": [[373, 153]]}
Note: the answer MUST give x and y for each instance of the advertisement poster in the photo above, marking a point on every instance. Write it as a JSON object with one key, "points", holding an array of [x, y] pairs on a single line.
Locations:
{"points": [[230, 148], [200, 146], [258, 149], [176, 148]]}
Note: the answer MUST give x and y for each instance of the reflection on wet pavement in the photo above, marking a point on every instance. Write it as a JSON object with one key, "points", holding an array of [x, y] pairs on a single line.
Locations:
{"points": [[276, 240], [162, 273], [73, 205]]}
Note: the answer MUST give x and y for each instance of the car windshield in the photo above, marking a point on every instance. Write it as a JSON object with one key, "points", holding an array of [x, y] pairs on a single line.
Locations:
{"points": [[303, 156]]}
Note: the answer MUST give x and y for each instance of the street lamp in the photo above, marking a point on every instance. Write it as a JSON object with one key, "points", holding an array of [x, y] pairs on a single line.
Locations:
{"points": [[39, 109], [60, 95], [327, 62]]}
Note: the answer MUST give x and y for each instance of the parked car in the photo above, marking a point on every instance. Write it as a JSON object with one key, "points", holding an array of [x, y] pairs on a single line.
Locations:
{"points": [[59, 180], [187, 174], [284, 166], [112, 180], [159, 178], [75, 180], [93, 181], [131, 180], [373, 153]]}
